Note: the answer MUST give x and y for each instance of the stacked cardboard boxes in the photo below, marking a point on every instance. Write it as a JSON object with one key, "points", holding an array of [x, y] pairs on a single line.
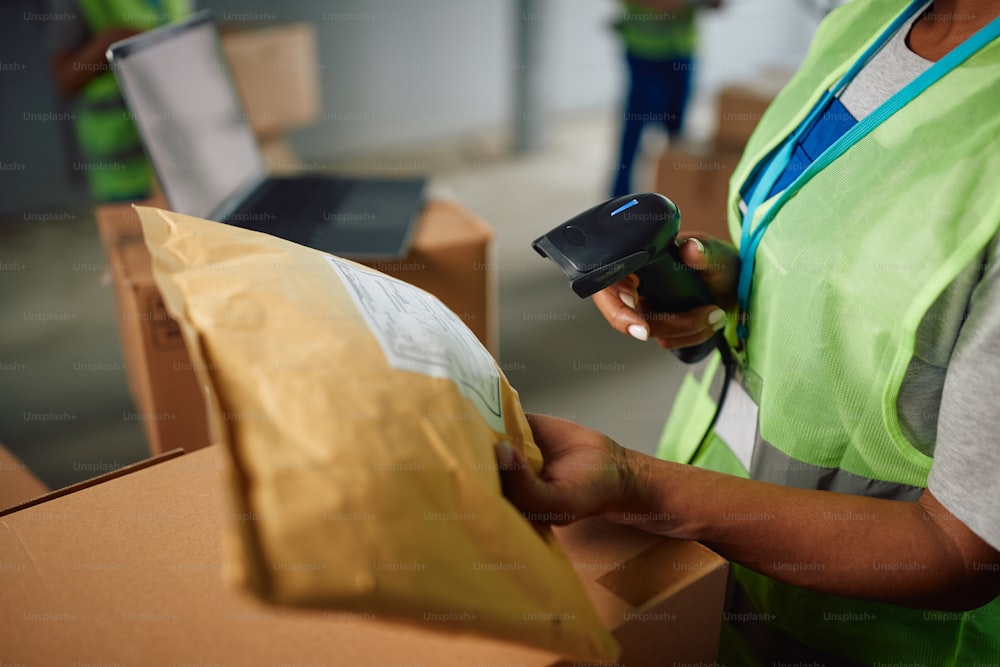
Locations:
{"points": [[697, 179]]}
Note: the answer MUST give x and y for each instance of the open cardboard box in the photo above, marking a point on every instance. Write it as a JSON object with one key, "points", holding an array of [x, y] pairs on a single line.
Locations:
{"points": [[127, 570], [451, 257]]}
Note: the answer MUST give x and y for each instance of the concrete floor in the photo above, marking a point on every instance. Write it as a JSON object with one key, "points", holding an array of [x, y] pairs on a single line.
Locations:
{"points": [[65, 403]]}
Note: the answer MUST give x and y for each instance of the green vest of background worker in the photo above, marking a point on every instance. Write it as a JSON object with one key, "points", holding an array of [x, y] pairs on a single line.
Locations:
{"points": [[658, 37], [115, 166]]}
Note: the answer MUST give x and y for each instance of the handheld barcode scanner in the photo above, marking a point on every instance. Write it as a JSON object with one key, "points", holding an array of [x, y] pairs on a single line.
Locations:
{"points": [[625, 235]]}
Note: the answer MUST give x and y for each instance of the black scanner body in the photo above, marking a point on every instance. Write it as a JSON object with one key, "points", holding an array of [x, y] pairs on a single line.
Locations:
{"points": [[631, 234]]}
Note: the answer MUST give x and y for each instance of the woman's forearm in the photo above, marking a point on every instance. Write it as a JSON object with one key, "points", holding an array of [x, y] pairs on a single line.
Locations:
{"points": [[911, 553], [72, 70]]}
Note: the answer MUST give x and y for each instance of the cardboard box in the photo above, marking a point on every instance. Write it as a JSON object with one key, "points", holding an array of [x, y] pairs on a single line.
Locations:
{"points": [[276, 71], [126, 570], [161, 379], [741, 105], [698, 182], [740, 109], [450, 257], [17, 483]]}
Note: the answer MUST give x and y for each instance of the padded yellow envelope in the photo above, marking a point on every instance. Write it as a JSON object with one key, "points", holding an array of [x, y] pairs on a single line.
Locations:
{"points": [[360, 416]]}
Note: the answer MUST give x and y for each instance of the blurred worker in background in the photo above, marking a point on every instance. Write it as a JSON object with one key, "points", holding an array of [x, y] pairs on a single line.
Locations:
{"points": [[115, 165], [659, 38]]}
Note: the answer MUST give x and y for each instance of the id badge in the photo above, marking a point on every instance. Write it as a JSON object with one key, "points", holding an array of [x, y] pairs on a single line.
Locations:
{"points": [[737, 422]]}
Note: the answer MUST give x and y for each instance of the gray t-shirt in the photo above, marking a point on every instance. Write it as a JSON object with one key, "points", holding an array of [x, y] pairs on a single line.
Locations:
{"points": [[947, 405]]}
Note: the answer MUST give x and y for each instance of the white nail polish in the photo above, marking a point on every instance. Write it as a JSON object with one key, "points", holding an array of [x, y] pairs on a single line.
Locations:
{"points": [[638, 331], [717, 319], [627, 299]]}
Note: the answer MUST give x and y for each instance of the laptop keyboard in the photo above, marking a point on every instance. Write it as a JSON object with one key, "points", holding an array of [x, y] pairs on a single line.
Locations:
{"points": [[291, 208]]}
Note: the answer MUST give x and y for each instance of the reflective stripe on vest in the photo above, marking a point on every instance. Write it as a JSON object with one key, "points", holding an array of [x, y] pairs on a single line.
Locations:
{"points": [[770, 464], [843, 279]]}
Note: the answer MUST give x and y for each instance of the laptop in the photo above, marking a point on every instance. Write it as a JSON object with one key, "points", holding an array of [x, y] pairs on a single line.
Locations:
{"points": [[176, 83]]}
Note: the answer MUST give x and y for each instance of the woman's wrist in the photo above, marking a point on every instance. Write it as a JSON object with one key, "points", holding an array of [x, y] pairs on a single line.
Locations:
{"points": [[641, 502]]}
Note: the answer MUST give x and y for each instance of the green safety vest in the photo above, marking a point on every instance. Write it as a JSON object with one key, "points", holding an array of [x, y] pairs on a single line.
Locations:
{"points": [[843, 278], [657, 35], [115, 164]]}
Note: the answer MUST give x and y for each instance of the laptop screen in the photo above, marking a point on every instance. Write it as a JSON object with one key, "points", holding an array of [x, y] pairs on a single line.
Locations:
{"points": [[177, 86]]}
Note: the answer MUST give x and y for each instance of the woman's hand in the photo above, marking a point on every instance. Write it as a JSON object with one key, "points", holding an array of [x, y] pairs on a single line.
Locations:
{"points": [[585, 473], [716, 262]]}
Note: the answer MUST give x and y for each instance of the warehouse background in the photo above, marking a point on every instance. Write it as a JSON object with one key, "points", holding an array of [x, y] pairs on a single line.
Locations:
{"points": [[404, 73], [510, 106]]}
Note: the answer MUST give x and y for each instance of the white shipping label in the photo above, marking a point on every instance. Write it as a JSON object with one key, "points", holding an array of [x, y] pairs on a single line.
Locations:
{"points": [[418, 333], [737, 422]]}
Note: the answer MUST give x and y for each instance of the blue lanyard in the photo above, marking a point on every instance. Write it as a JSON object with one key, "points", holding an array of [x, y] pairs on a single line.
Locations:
{"points": [[750, 238]]}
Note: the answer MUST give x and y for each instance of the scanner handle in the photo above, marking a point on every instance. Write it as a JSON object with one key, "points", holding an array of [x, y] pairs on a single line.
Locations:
{"points": [[670, 286]]}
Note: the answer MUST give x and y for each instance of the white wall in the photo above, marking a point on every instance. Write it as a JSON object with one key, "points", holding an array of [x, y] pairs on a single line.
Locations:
{"points": [[746, 35], [397, 71], [405, 72], [584, 66], [410, 71]]}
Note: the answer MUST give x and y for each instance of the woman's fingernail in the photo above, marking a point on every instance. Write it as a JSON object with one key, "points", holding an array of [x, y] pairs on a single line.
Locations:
{"points": [[717, 319], [504, 453], [627, 299], [638, 331], [698, 244]]}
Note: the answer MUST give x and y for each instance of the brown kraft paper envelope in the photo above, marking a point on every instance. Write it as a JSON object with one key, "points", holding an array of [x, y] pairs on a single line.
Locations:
{"points": [[360, 418]]}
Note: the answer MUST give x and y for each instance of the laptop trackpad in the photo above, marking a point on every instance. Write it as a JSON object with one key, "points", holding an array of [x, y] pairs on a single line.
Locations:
{"points": [[374, 219]]}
